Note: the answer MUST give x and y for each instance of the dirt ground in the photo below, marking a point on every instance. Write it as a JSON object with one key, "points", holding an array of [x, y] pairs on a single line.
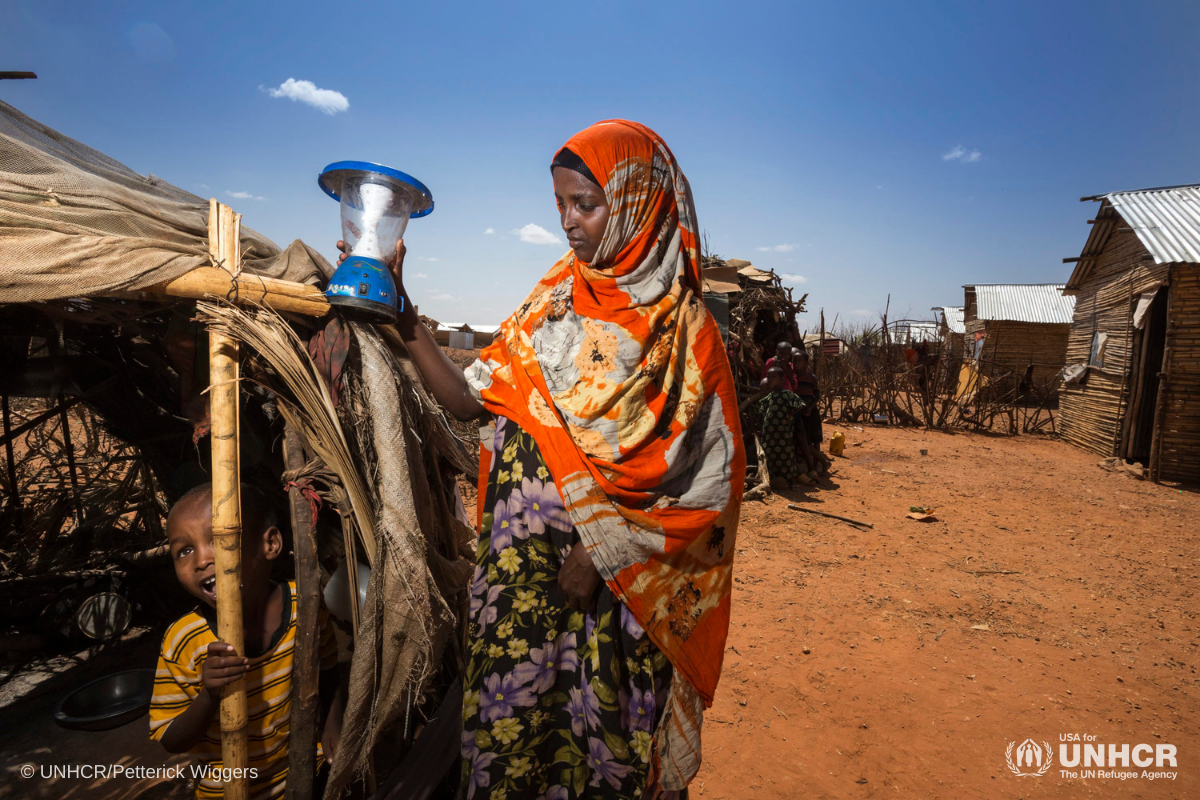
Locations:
{"points": [[1049, 598], [29, 736]]}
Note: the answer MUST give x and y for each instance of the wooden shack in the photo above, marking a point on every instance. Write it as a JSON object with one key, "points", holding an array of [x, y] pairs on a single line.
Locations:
{"points": [[1017, 332], [1134, 343]]}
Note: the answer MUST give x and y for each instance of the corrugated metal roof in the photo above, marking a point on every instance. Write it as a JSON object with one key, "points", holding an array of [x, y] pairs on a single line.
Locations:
{"points": [[1023, 302], [953, 315], [1167, 221]]}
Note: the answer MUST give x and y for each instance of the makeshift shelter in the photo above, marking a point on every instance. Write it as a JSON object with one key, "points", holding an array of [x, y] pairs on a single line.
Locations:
{"points": [[952, 328], [1133, 389], [761, 312], [100, 271], [720, 283], [1017, 331]]}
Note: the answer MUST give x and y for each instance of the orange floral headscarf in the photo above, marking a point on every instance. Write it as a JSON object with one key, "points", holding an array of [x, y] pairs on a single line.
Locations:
{"points": [[618, 372]]}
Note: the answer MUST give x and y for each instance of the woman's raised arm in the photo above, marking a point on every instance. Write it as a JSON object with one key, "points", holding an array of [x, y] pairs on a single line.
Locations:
{"points": [[443, 377]]}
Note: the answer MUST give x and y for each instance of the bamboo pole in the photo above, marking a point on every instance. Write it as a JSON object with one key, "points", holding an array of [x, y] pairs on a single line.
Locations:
{"points": [[208, 282], [224, 228], [302, 744]]}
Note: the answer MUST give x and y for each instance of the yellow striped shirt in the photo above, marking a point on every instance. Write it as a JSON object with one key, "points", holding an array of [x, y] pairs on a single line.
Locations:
{"points": [[268, 696]]}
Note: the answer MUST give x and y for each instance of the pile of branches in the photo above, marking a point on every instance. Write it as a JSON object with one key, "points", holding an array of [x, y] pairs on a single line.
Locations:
{"points": [[879, 379], [85, 498], [760, 315], [92, 421]]}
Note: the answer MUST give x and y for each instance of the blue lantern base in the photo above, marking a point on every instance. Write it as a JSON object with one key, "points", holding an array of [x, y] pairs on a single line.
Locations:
{"points": [[363, 289]]}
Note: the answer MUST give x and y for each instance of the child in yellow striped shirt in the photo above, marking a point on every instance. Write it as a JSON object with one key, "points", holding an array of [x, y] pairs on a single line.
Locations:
{"points": [[194, 666]]}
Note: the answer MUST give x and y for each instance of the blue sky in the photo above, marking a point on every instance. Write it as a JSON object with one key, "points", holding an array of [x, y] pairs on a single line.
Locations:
{"points": [[862, 149]]}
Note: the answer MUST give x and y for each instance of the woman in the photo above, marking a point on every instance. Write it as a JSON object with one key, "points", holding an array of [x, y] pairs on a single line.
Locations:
{"points": [[600, 603]]}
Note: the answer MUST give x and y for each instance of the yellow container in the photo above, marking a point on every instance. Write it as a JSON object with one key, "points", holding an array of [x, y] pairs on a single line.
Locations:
{"points": [[837, 443]]}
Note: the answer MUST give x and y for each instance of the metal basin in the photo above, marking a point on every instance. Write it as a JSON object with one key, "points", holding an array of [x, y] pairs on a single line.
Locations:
{"points": [[107, 702]]}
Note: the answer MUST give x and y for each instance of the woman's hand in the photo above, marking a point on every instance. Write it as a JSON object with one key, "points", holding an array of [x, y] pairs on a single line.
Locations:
{"points": [[579, 578], [395, 263], [442, 376]]}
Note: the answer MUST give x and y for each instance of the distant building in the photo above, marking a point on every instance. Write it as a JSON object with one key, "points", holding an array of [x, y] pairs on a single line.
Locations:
{"points": [[1018, 329], [1134, 350], [460, 335], [952, 328], [914, 332], [833, 346]]}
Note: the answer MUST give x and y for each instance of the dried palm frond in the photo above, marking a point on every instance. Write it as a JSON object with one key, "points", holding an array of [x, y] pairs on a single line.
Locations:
{"points": [[390, 465], [304, 400]]}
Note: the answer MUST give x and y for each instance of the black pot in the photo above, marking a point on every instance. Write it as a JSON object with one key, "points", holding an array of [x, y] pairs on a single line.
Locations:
{"points": [[107, 702]]}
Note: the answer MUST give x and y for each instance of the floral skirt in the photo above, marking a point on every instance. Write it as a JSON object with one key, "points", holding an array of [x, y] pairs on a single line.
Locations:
{"points": [[558, 703]]}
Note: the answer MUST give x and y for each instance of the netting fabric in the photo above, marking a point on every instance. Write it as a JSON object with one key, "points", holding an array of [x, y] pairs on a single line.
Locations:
{"points": [[74, 223]]}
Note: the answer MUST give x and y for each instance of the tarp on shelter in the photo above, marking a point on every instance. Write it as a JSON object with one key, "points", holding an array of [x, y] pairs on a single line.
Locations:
{"points": [[74, 222]]}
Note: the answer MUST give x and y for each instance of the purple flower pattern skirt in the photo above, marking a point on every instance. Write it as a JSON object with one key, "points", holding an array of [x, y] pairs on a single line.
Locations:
{"points": [[559, 704]]}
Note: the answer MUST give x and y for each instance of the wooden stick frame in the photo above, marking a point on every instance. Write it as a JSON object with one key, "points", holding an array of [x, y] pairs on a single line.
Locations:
{"points": [[224, 233], [224, 228], [302, 743]]}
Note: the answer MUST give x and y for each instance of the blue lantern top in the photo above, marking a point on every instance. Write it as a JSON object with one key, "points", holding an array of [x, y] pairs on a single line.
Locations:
{"points": [[330, 181]]}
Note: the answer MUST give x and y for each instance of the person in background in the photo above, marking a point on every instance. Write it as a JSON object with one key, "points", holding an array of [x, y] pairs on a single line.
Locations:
{"points": [[809, 419], [777, 409], [783, 360]]}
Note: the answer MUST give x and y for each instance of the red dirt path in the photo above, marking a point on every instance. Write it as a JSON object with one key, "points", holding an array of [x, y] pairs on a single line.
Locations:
{"points": [[899, 693]]}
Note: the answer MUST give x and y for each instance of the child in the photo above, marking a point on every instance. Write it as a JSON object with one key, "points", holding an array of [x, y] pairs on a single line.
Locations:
{"points": [[783, 360], [194, 666], [810, 417], [777, 408]]}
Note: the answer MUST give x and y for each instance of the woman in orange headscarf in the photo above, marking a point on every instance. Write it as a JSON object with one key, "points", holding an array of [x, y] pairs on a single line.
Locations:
{"points": [[609, 493]]}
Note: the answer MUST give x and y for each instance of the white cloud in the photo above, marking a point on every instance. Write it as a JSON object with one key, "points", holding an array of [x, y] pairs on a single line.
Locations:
{"points": [[243, 195], [862, 312], [960, 153], [326, 100], [489, 231], [536, 234], [443, 296], [778, 248], [790, 278], [420, 275], [428, 258]]}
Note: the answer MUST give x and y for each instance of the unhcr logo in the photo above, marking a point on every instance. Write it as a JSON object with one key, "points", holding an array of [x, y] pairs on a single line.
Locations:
{"points": [[1029, 755]]}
